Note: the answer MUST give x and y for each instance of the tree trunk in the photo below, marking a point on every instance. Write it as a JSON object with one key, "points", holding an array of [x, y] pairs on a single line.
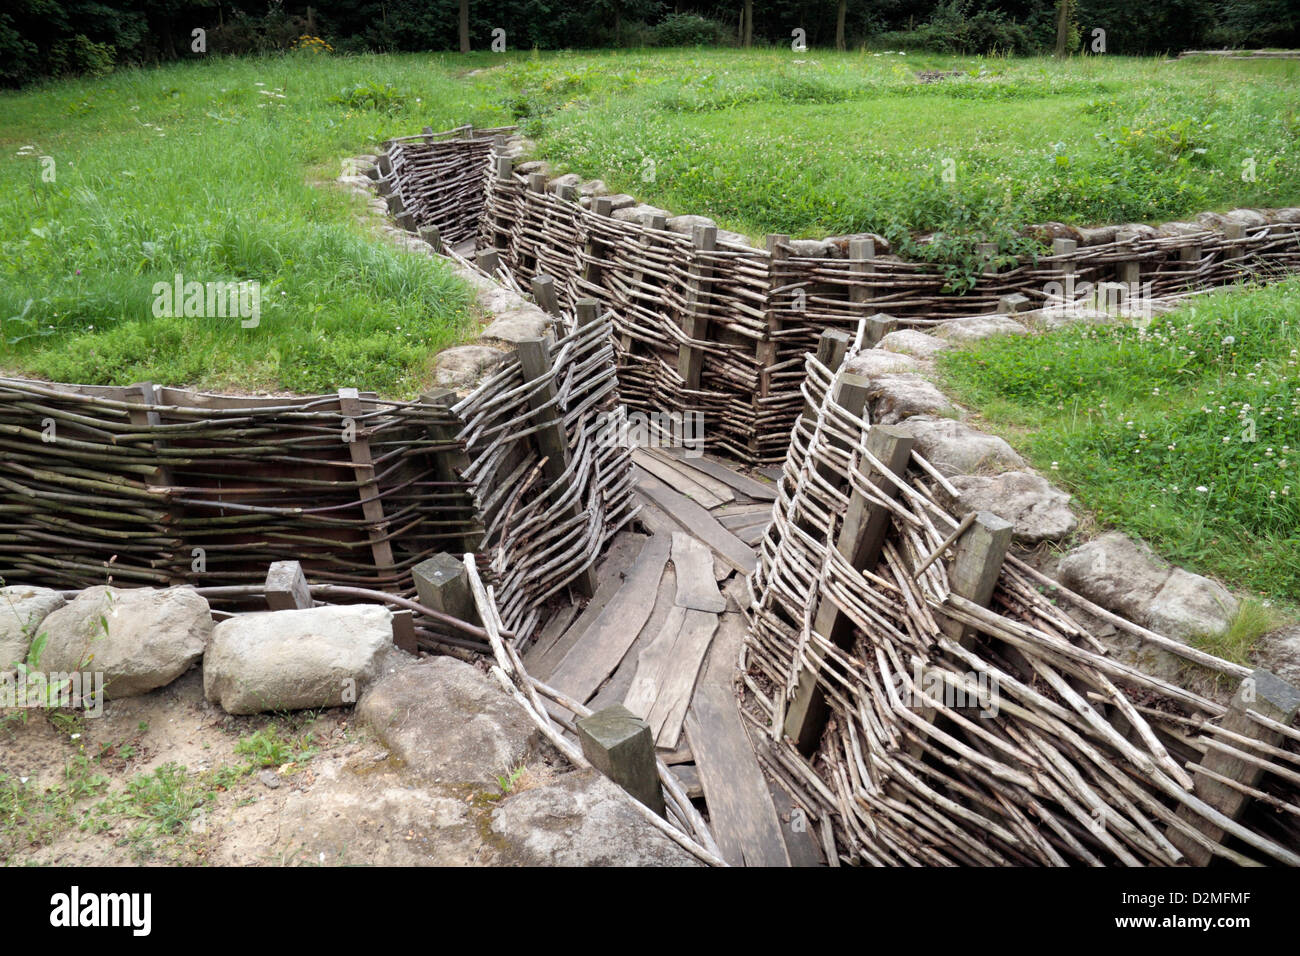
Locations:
{"points": [[1062, 26], [840, 16], [464, 26], [749, 23]]}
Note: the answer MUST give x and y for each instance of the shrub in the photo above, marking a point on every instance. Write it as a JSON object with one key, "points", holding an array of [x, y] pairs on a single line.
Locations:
{"points": [[687, 29]]}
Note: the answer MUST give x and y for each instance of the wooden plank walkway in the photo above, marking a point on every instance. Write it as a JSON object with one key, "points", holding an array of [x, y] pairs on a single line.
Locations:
{"points": [[662, 636]]}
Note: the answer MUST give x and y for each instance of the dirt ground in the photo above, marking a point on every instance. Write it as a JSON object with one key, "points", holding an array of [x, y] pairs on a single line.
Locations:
{"points": [[310, 788]]}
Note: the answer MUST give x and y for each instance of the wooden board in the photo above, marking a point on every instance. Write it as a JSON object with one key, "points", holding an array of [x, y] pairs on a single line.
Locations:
{"points": [[750, 487], [693, 565], [596, 655], [687, 467], [614, 690], [540, 660], [741, 813], [694, 519], [676, 480]]}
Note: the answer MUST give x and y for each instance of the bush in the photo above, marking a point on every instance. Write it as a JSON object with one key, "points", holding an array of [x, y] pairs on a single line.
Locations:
{"points": [[686, 29]]}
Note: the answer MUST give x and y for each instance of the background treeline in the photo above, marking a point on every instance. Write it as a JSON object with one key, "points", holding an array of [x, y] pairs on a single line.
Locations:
{"points": [[41, 38]]}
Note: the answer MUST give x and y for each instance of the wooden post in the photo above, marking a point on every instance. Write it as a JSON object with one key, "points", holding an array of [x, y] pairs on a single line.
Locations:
{"points": [[588, 311], [861, 252], [976, 566], [765, 352], [145, 394], [544, 295], [877, 327], [695, 321], [368, 489], [442, 584], [1267, 695], [552, 441], [861, 540], [431, 235], [286, 587], [404, 631], [620, 745], [449, 464]]}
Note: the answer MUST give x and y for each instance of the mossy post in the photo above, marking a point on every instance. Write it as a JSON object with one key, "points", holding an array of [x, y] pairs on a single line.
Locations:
{"points": [[1223, 779]]}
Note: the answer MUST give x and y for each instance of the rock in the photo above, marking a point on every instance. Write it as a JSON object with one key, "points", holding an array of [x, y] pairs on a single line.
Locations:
{"points": [[292, 660], [153, 636], [1039, 511], [1190, 605], [973, 328], [1279, 652], [638, 213], [1181, 229], [812, 249], [872, 363], [912, 342], [465, 364], [449, 722], [957, 449], [269, 778], [518, 325], [896, 397], [1134, 232], [684, 224], [1126, 577], [841, 243], [1097, 235], [22, 611], [734, 238], [1246, 217], [582, 819]]}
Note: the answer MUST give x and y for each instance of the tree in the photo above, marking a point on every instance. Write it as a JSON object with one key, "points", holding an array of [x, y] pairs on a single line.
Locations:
{"points": [[1062, 26]]}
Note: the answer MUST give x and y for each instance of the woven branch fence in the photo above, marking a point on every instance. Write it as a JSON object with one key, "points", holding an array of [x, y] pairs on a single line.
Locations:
{"points": [[716, 326], [937, 709], [159, 486]]}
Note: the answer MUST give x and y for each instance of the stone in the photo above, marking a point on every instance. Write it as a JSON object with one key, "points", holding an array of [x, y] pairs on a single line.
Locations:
{"points": [[955, 448], [873, 363], [1190, 605], [684, 224], [465, 364], [22, 611], [812, 249], [1126, 577], [912, 342], [1097, 235], [896, 397], [518, 326], [1246, 217], [973, 328], [1181, 229], [1037, 510], [293, 660], [582, 819], [153, 636], [638, 212], [449, 722]]}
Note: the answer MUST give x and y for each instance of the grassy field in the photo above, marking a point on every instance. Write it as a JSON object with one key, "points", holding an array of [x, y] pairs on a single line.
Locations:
{"points": [[210, 170], [1186, 433]]}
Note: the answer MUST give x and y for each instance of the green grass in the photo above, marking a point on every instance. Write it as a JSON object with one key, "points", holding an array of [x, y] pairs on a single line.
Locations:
{"points": [[208, 169], [1185, 433]]}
